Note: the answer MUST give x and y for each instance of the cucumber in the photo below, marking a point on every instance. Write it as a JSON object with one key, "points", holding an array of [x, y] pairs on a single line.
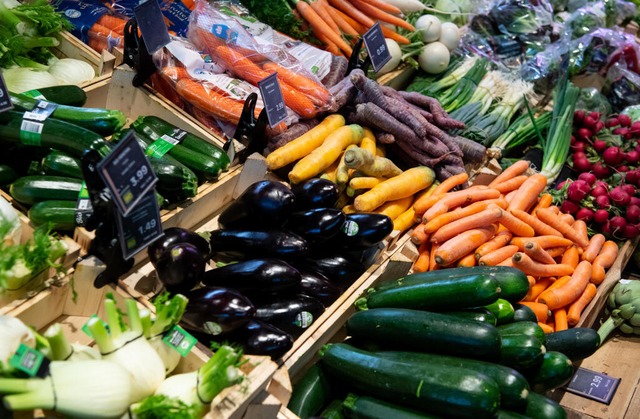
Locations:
{"points": [[443, 390], [311, 393], [7, 174], [364, 407], [333, 411], [31, 189], [523, 328], [576, 343], [68, 94], [506, 414], [521, 351], [522, 313], [58, 163], [514, 387], [61, 214], [427, 291], [478, 314], [542, 407], [502, 309], [101, 121], [424, 331], [555, 371]]}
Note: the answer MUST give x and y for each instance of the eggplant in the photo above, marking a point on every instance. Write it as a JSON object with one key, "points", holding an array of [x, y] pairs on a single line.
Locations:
{"points": [[267, 275], [319, 287], [174, 235], [260, 338], [315, 193], [258, 243], [262, 203], [180, 267], [293, 315], [216, 310], [361, 231], [317, 224], [338, 269], [366, 257]]}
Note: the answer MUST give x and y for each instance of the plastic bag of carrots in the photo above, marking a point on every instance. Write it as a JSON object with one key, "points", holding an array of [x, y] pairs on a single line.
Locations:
{"points": [[176, 12]]}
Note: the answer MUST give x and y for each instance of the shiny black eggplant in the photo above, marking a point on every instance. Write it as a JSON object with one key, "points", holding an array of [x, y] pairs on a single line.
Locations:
{"points": [[266, 275], [315, 193], [216, 310], [292, 314], [338, 269], [175, 235], [180, 267], [262, 203], [260, 338], [317, 224], [258, 243], [366, 257], [361, 231], [319, 287]]}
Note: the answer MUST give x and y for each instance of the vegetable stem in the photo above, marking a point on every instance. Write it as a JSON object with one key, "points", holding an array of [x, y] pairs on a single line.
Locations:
{"points": [[218, 373], [113, 319], [135, 322], [609, 326], [60, 346], [101, 336]]}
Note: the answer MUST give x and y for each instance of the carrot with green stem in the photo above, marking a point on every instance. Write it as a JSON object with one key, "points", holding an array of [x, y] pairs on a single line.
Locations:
{"points": [[527, 194], [606, 257], [405, 184], [529, 266], [540, 228], [383, 5], [487, 216], [319, 26], [459, 246], [538, 254], [551, 219], [569, 292], [348, 9], [317, 6], [577, 307], [357, 26], [342, 23]]}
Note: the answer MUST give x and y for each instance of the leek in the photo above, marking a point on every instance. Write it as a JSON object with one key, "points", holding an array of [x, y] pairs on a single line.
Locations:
{"points": [[451, 78], [62, 350], [168, 313]]}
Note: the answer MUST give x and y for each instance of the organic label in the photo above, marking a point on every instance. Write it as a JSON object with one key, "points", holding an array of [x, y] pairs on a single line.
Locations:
{"points": [[593, 385], [212, 328], [350, 228], [303, 319], [376, 47], [152, 25], [27, 360], [272, 99], [180, 340], [83, 206]]}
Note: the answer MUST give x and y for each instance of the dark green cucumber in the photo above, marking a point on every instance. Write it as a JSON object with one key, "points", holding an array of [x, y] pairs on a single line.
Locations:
{"points": [[427, 291], [555, 371], [31, 189], [7, 174], [478, 314], [502, 309], [56, 134], [311, 393], [522, 313], [514, 387], [506, 414], [542, 407], [577, 343], [101, 121], [364, 407], [426, 331], [58, 163], [61, 214], [523, 328], [333, 411], [442, 390], [68, 94], [521, 351]]}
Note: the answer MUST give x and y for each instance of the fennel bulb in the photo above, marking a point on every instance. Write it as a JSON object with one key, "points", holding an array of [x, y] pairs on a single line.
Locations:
{"points": [[20, 80], [168, 313], [12, 333], [71, 71], [170, 357], [62, 350], [87, 389]]}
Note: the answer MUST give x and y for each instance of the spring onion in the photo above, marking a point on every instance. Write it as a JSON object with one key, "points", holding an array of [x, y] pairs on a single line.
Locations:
{"points": [[62, 350], [462, 91], [521, 132], [168, 313], [450, 79], [490, 88]]}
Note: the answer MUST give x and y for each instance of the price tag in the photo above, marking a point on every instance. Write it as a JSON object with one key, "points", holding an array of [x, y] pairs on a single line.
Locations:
{"points": [[376, 47], [272, 99], [140, 227], [164, 144], [86, 329], [29, 361], [127, 173], [593, 385], [5, 99], [180, 340], [83, 206], [152, 25]]}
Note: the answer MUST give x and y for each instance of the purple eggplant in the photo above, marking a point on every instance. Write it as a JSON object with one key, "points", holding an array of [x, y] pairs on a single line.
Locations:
{"points": [[339, 270], [291, 314], [317, 224], [265, 275], [216, 311], [180, 267], [258, 243], [315, 193], [260, 338], [175, 235], [319, 287], [361, 231]]}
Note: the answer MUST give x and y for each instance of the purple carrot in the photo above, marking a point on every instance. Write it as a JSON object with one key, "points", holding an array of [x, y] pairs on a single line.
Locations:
{"points": [[337, 71], [375, 116], [440, 116], [418, 155], [473, 152], [453, 146], [343, 96], [384, 137]]}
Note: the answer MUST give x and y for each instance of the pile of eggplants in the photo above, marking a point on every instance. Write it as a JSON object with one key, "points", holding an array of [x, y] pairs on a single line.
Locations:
{"points": [[282, 255]]}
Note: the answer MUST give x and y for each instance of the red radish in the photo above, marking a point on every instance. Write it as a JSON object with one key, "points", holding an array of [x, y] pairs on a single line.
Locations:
{"points": [[612, 122], [612, 156], [617, 224], [632, 157], [581, 164], [619, 196], [623, 168], [585, 214], [628, 188], [595, 115], [605, 228], [635, 127], [569, 207], [599, 127], [633, 214], [578, 146], [603, 201], [599, 190], [561, 184], [601, 216], [578, 190], [584, 134], [634, 201], [590, 123], [573, 139], [602, 183], [599, 145], [625, 120], [622, 131], [631, 231], [600, 170], [578, 116], [588, 177]]}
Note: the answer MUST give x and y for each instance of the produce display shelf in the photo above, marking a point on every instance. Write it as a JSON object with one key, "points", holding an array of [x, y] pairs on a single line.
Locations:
{"points": [[102, 63]]}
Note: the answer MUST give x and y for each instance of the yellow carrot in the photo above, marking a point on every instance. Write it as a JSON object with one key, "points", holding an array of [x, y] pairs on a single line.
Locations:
{"points": [[405, 184], [365, 182], [393, 209], [368, 141], [405, 221]]}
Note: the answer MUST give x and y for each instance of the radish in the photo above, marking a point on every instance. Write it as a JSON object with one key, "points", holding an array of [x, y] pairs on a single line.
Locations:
{"points": [[628, 188], [584, 134], [635, 128], [602, 183], [631, 231], [578, 116], [634, 201], [589, 123], [599, 127], [578, 146], [599, 145], [585, 214], [595, 115], [612, 122], [599, 190], [623, 168], [588, 177], [603, 201], [632, 157], [600, 170], [617, 224], [625, 120], [619, 196], [580, 161], [578, 190], [601, 216], [622, 131], [605, 228], [569, 207], [633, 214], [612, 156]]}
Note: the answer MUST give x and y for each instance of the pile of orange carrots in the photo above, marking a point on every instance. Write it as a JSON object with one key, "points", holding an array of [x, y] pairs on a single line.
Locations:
{"points": [[512, 222]]}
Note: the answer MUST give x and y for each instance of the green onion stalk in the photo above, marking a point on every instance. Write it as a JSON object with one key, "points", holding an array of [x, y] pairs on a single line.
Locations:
{"points": [[521, 132], [451, 78], [489, 89], [462, 91]]}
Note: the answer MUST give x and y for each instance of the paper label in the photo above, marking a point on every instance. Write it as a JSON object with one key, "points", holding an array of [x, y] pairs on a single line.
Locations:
{"points": [[180, 340]]}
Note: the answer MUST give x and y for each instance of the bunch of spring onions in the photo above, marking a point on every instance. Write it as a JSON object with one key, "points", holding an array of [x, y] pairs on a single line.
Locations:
{"points": [[490, 88], [524, 130], [451, 78], [461, 92]]}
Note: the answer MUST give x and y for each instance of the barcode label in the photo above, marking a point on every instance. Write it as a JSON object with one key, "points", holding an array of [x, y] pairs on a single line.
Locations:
{"points": [[30, 132], [171, 140], [84, 204], [30, 126]]}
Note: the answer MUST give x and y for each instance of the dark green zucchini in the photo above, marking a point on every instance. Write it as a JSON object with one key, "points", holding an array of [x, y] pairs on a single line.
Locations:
{"points": [[60, 214], [58, 163], [555, 371], [523, 328], [31, 189], [442, 390], [521, 351], [522, 313], [68, 94], [542, 407], [311, 393], [426, 331], [480, 315], [365, 407], [7, 174], [577, 343], [333, 410], [502, 309], [506, 414]]}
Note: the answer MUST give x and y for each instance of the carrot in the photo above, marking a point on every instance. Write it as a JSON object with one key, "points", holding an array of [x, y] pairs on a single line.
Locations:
{"points": [[389, 33], [328, 45], [534, 291], [560, 319], [112, 22], [541, 311], [553, 209], [578, 306], [458, 213], [405, 184], [496, 256], [511, 184], [529, 266], [317, 6], [559, 282], [516, 169], [330, 172], [342, 23], [509, 197], [422, 263], [556, 252], [571, 257], [405, 220], [359, 27], [381, 15], [393, 209], [208, 100], [320, 26], [532, 280], [545, 201], [462, 244], [540, 228], [545, 242], [451, 182], [592, 250], [566, 218], [506, 262], [537, 253], [570, 291], [368, 141], [349, 209], [546, 328], [364, 21], [480, 219], [365, 182], [581, 228], [605, 259], [323, 156], [177, 73], [551, 219], [515, 225], [501, 239], [459, 198], [309, 87], [433, 266], [528, 192], [418, 235], [383, 5]]}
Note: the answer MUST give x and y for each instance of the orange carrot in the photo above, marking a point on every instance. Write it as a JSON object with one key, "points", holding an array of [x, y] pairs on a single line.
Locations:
{"points": [[422, 263], [319, 26], [418, 235], [577, 307], [424, 203], [317, 6], [550, 218], [529, 266], [571, 256], [595, 244], [112, 22], [604, 260], [347, 9], [559, 282], [516, 169], [511, 184], [501, 239], [462, 244], [208, 100], [506, 262], [516, 226], [433, 266], [570, 291], [560, 319], [499, 255], [343, 24], [383, 5], [509, 197], [547, 327], [553, 209], [545, 201], [545, 242], [540, 228], [459, 198], [329, 46], [467, 261], [556, 252], [457, 214], [480, 219], [566, 218], [528, 193], [311, 88], [537, 253], [534, 291], [581, 228], [541, 311], [381, 15], [359, 27]]}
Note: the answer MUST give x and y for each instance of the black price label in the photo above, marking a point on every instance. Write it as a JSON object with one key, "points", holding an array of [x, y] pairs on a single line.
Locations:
{"points": [[127, 173], [272, 99], [376, 47], [152, 25], [140, 227], [5, 99], [593, 385]]}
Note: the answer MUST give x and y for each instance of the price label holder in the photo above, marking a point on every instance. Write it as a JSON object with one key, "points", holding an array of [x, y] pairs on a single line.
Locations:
{"points": [[273, 99], [5, 99], [30, 361], [140, 227], [152, 25], [593, 385], [127, 173], [180, 340], [376, 47]]}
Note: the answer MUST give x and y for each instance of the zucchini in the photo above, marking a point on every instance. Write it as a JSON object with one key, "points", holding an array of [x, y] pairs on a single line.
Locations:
{"points": [[443, 390], [542, 407], [31, 189], [521, 351], [61, 214], [502, 309], [424, 330], [576, 343], [58, 163], [522, 313], [7, 174], [101, 121], [506, 414], [478, 314], [310, 394], [333, 411], [68, 94], [523, 328], [364, 407], [514, 387], [555, 371], [429, 291]]}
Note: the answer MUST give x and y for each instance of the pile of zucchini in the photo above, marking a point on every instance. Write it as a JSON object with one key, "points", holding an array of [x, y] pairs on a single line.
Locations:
{"points": [[450, 343]]}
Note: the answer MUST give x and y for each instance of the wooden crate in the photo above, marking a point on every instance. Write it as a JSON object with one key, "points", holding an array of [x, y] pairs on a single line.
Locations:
{"points": [[71, 47], [56, 305]]}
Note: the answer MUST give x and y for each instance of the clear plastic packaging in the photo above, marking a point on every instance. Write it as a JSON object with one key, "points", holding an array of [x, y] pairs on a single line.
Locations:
{"points": [[176, 12], [622, 87]]}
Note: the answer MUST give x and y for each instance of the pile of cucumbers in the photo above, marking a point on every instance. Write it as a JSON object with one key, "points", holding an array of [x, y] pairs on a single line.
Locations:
{"points": [[452, 343]]}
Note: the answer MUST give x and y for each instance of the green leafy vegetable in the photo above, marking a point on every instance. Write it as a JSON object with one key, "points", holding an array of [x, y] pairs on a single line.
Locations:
{"points": [[161, 406], [277, 14]]}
